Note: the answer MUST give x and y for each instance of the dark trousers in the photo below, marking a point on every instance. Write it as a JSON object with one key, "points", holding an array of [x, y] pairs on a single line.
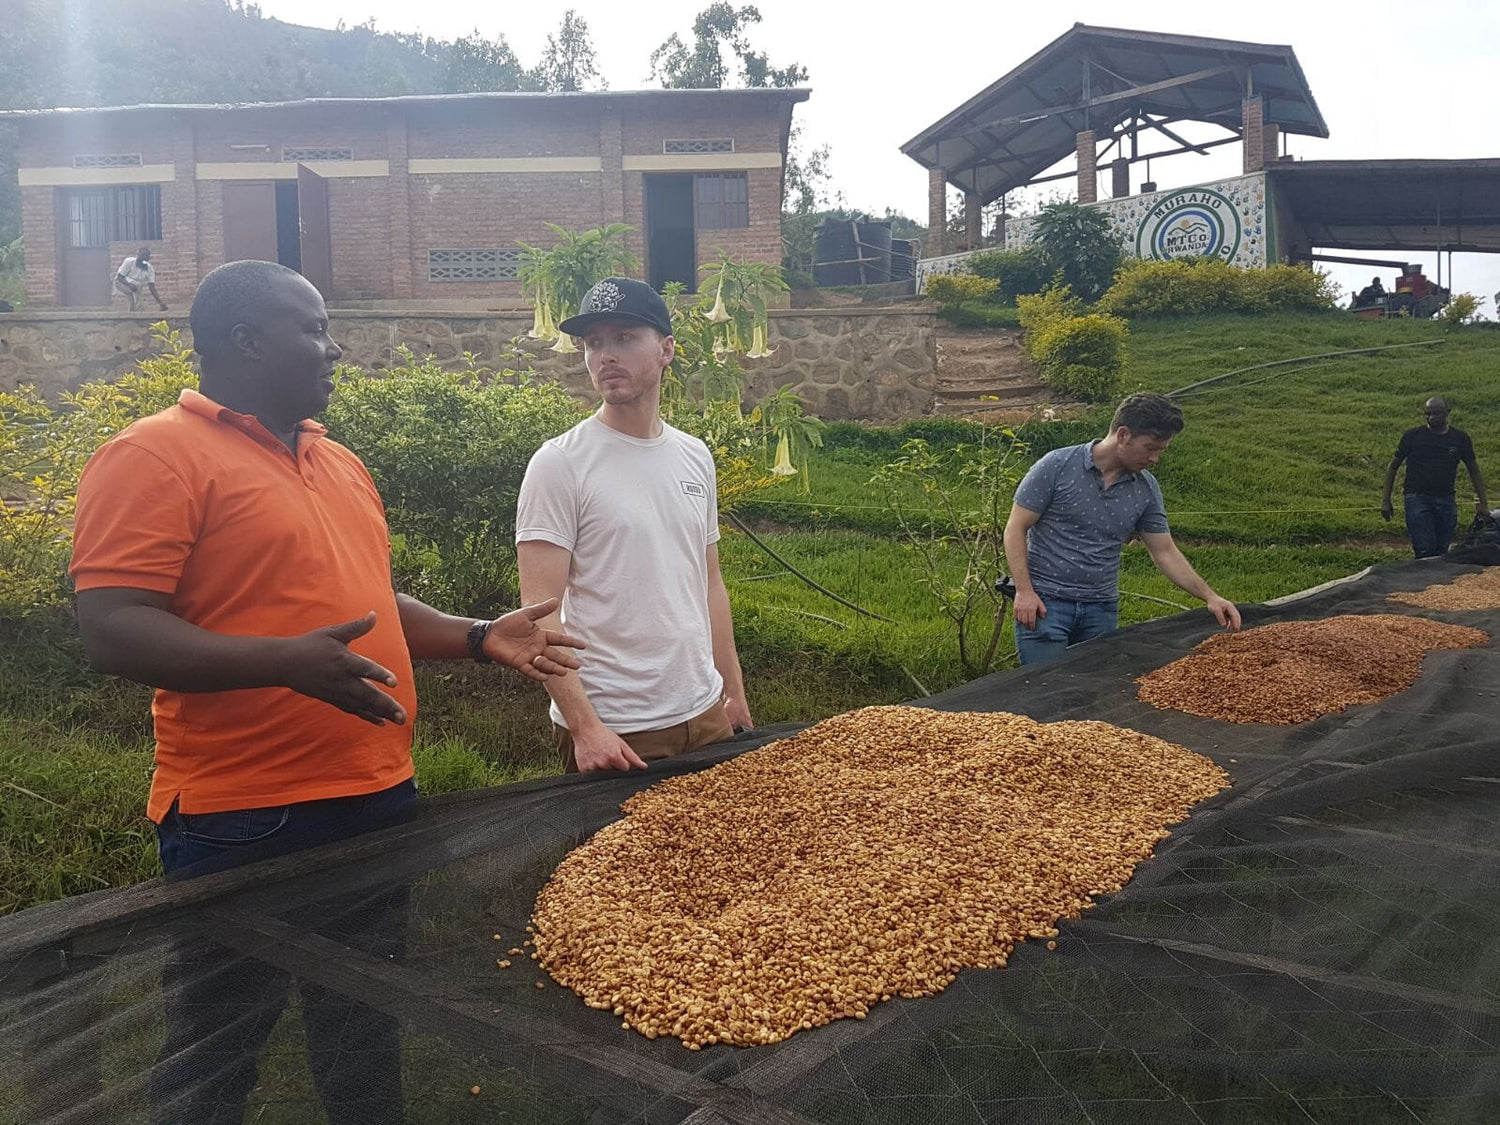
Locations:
{"points": [[1431, 521], [222, 1005]]}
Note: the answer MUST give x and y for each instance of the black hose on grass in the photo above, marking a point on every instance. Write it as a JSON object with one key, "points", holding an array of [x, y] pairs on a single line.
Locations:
{"points": [[1301, 359], [761, 543]]}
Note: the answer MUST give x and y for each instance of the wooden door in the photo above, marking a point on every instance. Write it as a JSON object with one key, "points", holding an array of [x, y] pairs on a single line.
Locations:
{"points": [[313, 230], [250, 221], [85, 273]]}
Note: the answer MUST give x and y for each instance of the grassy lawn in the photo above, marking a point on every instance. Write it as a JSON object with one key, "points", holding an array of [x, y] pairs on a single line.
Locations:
{"points": [[1272, 488]]}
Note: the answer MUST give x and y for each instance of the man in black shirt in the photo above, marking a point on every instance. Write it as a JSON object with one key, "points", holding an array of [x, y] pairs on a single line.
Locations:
{"points": [[1432, 454]]}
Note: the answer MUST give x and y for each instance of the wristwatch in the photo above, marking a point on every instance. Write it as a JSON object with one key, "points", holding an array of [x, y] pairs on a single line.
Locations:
{"points": [[477, 632]]}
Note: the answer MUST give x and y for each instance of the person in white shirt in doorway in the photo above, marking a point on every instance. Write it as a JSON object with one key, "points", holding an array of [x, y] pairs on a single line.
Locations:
{"points": [[134, 272], [619, 518]]}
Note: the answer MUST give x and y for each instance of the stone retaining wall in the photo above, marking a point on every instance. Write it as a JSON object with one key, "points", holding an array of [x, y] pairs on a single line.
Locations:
{"points": [[869, 364]]}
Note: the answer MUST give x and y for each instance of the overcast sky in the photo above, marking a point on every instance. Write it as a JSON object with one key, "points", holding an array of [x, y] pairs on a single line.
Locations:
{"points": [[1420, 83]]}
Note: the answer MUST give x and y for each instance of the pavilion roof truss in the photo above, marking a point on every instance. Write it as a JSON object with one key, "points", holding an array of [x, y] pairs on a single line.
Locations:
{"points": [[1118, 84]]}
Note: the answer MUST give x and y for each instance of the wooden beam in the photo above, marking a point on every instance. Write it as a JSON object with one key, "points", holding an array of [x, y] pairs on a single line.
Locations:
{"points": [[1103, 99]]}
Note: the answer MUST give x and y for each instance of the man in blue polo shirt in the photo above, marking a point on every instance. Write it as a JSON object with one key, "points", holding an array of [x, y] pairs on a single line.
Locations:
{"points": [[1073, 513]]}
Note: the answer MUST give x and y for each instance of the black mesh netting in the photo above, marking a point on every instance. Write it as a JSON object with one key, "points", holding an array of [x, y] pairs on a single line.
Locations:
{"points": [[1319, 943]]}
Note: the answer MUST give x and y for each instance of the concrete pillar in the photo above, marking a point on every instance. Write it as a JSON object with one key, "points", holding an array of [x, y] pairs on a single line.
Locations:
{"points": [[937, 213], [1272, 146], [1253, 134], [1088, 168], [973, 221], [1119, 178], [398, 207]]}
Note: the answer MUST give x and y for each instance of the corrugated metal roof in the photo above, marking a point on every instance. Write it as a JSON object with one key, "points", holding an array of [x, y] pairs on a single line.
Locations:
{"points": [[792, 94], [1100, 78], [1393, 204]]}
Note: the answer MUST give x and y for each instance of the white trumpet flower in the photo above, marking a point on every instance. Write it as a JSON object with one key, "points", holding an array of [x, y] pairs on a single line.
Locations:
{"points": [[542, 327], [758, 349], [718, 314], [784, 466]]}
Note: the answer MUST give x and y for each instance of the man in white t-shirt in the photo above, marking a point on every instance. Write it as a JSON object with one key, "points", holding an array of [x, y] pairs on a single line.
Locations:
{"points": [[134, 272], [619, 518]]}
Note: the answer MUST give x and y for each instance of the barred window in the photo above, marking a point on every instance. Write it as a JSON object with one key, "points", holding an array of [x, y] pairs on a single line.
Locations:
{"points": [[108, 160], [100, 216], [722, 202], [482, 264], [305, 155], [696, 145]]}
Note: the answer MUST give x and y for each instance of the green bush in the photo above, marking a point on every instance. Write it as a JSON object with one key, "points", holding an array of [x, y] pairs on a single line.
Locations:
{"points": [[1079, 356], [1052, 304], [1079, 243], [43, 449], [1462, 308], [447, 450], [1083, 356], [952, 289], [1191, 286], [1019, 272]]}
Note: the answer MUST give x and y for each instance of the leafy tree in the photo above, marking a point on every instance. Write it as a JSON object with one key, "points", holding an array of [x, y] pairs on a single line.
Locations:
{"points": [[703, 66], [568, 61], [472, 64], [1080, 243]]}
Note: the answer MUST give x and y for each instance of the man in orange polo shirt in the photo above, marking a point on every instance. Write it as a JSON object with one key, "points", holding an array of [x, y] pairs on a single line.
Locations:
{"points": [[230, 555]]}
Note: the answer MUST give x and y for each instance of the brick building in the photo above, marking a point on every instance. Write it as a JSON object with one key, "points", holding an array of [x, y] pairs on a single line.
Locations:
{"points": [[404, 199]]}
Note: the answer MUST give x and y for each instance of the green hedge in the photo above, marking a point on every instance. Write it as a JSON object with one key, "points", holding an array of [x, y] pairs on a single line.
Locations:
{"points": [[1190, 286], [1081, 356], [1018, 272]]}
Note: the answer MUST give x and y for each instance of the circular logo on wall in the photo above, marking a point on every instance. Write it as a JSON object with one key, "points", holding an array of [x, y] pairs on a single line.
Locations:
{"points": [[1193, 223]]}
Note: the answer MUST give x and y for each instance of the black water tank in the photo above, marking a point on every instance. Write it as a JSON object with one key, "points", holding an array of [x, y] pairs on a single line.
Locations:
{"points": [[875, 253], [903, 258], [834, 254]]}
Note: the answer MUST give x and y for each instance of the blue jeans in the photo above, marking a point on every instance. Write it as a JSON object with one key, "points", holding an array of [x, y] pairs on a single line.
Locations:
{"points": [[1067, 623], [221, 1004], [1431, 521]]}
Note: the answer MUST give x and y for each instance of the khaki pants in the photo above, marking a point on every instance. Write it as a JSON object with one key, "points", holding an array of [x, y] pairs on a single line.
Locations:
{"points": [[654, 745]]}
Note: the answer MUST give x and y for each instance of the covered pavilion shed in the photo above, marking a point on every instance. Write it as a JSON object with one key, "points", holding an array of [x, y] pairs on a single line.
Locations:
{"points": [[1398, 205], [1093, 91]]}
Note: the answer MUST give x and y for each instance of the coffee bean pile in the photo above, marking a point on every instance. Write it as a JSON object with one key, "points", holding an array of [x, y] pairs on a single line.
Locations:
{"points": [[1476, 590], [1295, 671], [873, 855]]}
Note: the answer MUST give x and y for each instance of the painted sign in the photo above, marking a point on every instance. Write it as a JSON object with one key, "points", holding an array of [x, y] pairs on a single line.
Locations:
{"points": [[1226, 220], [1195, 222]]}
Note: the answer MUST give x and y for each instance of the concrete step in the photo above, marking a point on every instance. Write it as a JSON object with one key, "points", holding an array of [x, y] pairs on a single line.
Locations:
{"points": [[986, 386], [969, 407], [1001, 395], [971, 372]]}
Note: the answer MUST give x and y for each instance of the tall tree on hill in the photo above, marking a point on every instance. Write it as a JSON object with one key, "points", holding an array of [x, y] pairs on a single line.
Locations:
{"points": [[568, 62], [704, 65], [472, 64]]}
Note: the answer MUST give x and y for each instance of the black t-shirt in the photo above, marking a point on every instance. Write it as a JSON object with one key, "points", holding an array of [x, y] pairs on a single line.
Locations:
{"points": [[1432, 459]]}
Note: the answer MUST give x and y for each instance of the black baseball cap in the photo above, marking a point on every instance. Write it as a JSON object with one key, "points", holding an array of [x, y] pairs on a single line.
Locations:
{"points": [[620, 298]]}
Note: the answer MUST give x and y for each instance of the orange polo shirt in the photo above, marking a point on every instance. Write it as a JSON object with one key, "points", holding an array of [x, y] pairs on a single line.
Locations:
{"points": [[250, 540]]}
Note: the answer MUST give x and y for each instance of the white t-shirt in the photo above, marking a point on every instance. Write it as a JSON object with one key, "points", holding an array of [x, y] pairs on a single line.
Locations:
{"points": [[638, 516], [142, 273]]}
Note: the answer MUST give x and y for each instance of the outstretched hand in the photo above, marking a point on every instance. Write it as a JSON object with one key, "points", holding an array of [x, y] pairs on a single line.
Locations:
{"points": [[320, 664], [516, 641], [1225, 612]]}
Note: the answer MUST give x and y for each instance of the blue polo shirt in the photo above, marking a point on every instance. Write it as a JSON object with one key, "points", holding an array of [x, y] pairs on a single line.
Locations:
{"points": [[1073, 551]]}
